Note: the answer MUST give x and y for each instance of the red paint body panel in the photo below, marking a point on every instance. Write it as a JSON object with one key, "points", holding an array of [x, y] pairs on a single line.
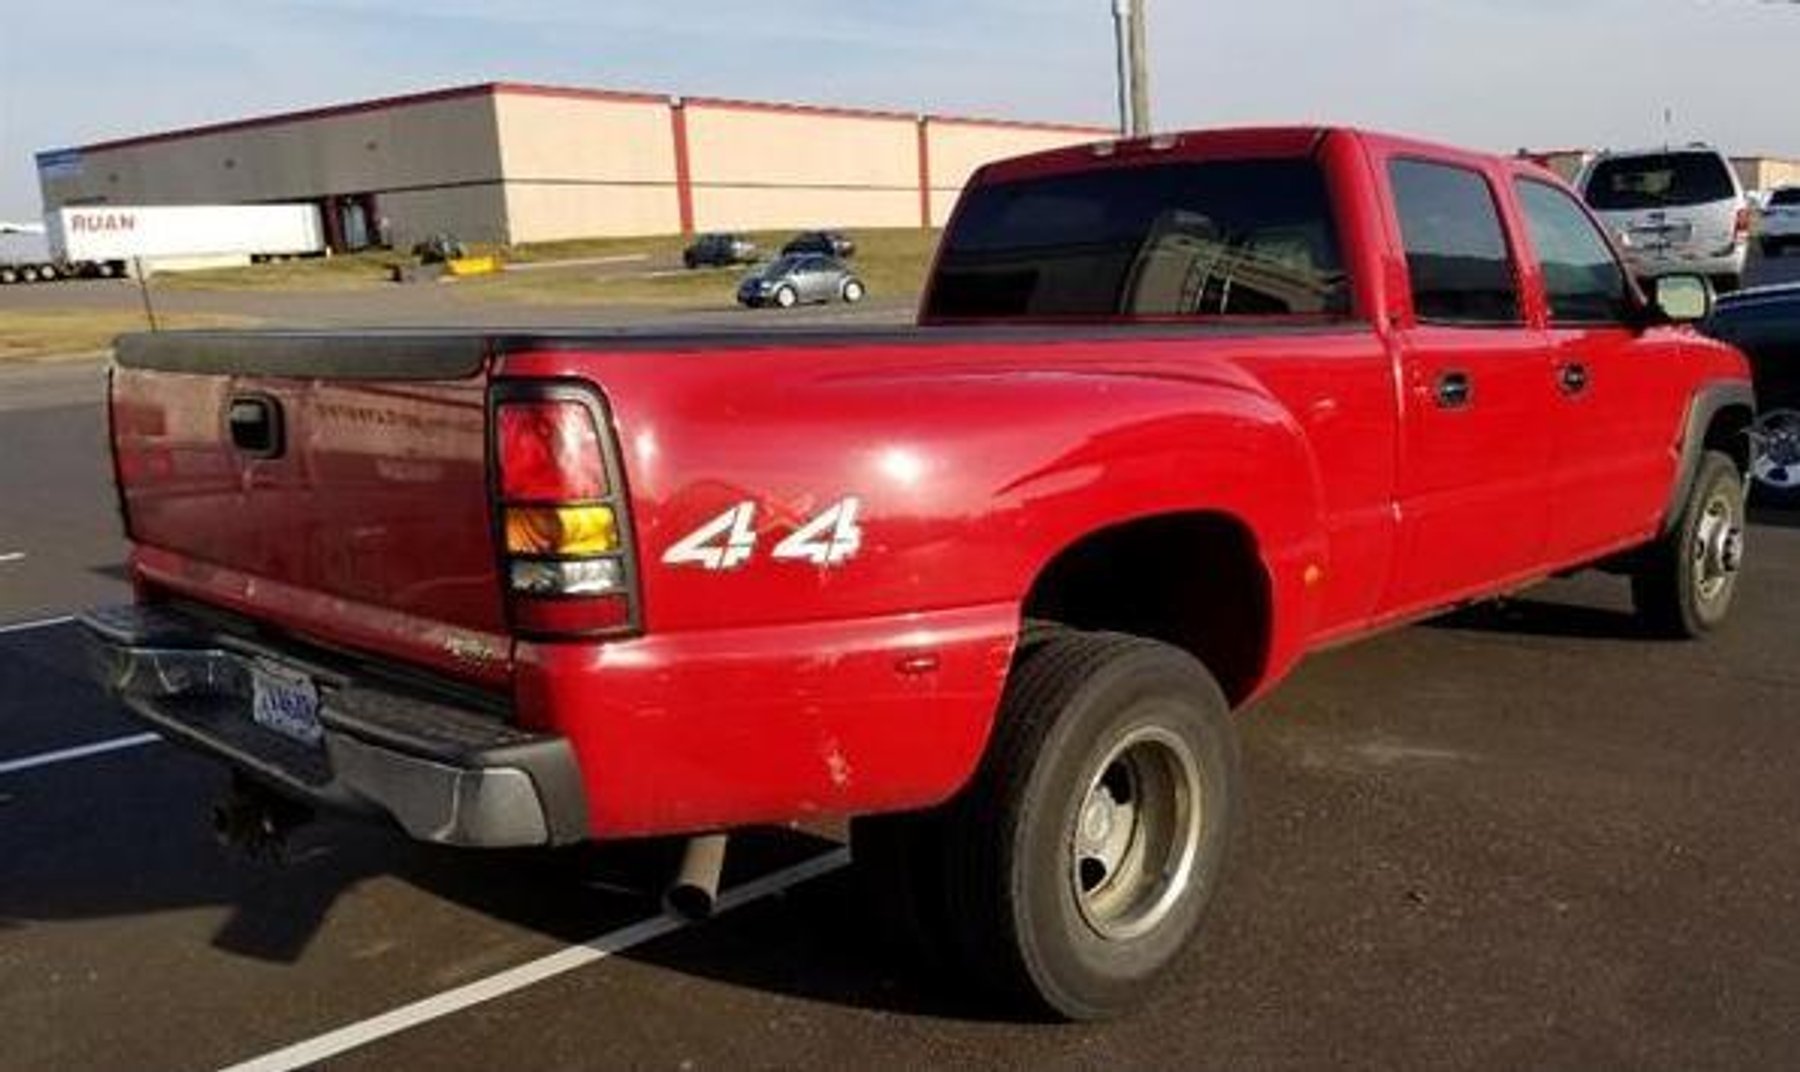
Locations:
{"points": [[722, 727], [779, 690]]}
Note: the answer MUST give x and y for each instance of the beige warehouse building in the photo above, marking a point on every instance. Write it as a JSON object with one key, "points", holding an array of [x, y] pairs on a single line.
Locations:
{"points": [[505, 162]]}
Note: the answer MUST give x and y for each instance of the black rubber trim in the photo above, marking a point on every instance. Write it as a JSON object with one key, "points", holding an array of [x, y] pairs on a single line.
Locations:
{"points": [[428, 354], [339, 355], [457, 738], [1706, 404]]}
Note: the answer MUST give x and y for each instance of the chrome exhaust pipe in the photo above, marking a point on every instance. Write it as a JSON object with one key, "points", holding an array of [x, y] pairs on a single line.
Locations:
{"points": [[695, 892]]}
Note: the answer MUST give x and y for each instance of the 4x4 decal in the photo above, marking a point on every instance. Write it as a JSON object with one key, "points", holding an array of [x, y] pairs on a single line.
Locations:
{"points": [[728, 541]]}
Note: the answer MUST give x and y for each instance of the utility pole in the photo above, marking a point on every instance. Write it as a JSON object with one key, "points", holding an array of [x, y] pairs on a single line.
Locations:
{"points": [[1122, 49], [1134, 67], [1140, 73]]}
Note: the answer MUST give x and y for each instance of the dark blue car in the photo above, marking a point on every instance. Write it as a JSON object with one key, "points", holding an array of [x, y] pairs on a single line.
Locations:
{"points": [[1764, 322]]}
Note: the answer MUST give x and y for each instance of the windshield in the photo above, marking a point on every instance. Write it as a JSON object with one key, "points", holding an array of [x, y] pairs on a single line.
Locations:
{"points": [[1787, 196], [1220, 238], [1659, 180]]}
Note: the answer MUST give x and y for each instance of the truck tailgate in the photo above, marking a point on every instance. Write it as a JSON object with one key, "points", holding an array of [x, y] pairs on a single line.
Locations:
{"points": [[362, 523]]}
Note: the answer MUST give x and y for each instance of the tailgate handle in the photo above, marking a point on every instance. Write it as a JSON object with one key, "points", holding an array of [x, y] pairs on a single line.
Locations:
{"points": [[256, 425]]}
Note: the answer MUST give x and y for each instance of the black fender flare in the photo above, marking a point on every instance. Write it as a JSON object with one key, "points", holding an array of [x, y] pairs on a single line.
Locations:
{"points": [[1708, 402]]}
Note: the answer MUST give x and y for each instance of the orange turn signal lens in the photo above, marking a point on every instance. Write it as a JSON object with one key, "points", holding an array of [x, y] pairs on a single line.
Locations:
{"points": [[561, 530]]}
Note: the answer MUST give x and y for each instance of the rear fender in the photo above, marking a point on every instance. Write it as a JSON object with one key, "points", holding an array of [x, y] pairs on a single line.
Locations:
{"points": [[1238, 457]]}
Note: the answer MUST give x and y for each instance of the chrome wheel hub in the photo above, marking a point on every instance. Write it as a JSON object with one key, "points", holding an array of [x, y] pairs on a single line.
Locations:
{"points": [[1718, 550], [1136, 834]]}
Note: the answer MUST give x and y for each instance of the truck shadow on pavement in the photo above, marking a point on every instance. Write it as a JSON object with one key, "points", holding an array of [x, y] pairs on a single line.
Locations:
{"points": [[1545, 618], [1769, 517], [140, 855], [123, 841], [1530, 615]]}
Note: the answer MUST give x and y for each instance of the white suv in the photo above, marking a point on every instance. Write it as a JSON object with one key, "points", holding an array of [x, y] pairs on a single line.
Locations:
{"points": [[1779, 226], [1673, 210]]}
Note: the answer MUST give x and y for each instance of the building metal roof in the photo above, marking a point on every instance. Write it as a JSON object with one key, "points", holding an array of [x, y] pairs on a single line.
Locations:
{"points": [[524, 89]]}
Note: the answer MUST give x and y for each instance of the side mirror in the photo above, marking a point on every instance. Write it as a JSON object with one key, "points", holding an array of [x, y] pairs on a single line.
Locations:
{"points": [[1682, 299]]}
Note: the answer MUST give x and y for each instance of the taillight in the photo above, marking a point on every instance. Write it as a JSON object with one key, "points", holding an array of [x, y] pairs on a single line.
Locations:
{"points": [[564, 539], [550, 451]]}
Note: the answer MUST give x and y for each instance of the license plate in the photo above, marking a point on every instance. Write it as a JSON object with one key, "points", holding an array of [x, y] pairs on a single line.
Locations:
{"points": [[285, 702], [1664, 235]]}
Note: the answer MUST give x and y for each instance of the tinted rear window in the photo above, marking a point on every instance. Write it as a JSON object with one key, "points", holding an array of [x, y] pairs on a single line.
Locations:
{"points": [[1789, 196], [1457, 258], [1659, 180], [1219, 238]]}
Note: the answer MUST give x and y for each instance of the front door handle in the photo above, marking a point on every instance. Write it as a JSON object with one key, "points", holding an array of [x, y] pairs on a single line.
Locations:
{"points": [[1454, 390], [1572, 378]]}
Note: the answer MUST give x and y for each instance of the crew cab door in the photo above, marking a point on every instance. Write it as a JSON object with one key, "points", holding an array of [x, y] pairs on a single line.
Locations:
{"points": [[1619, 388], [1476, 387]]}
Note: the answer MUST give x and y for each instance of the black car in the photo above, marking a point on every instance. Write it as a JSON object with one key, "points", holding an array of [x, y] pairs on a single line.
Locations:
{"points": [[829, 243], [719, 249], [1764, 323]]}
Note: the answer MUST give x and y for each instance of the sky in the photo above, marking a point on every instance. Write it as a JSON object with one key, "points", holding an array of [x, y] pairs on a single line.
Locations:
{"points": [[1496, 74]]}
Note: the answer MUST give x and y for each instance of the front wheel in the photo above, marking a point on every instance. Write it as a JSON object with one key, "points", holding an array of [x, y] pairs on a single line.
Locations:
{"points": [[1686, 584], [853, 291], [785, 297], [1077, 864]]}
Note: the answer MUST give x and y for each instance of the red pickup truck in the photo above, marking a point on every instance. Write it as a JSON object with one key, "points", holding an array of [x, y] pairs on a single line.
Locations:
{"points": [[1178, 411]]}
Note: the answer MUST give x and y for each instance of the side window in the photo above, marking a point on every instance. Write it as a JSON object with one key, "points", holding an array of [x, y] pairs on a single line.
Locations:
{"points": [[1456, 253], [1582, 280]]}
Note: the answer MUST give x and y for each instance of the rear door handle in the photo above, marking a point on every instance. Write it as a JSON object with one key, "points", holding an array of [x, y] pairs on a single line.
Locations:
{"points": [[1454, 390], [1572, 378]]}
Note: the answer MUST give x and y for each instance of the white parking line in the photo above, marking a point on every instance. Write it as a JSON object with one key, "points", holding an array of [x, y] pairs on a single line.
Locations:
{"points": [[64, 755], [394, 1021], [11, 556], [41, 623]]}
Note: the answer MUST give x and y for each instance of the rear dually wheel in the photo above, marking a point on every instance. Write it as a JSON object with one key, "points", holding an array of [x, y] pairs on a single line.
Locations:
{"points": [[1074, 869]]}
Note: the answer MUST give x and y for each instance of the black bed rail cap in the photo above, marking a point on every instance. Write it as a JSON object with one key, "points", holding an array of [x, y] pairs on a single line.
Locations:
{"points": [[338, 355]]}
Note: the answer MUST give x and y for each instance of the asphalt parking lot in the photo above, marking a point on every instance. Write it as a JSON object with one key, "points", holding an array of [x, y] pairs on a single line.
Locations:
{"points": [[1523, 835]]}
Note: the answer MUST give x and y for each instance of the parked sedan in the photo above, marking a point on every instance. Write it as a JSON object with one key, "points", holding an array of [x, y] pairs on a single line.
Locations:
{"points": [[830, 243], [796, 278], [1764, 322], [719, 249]]}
